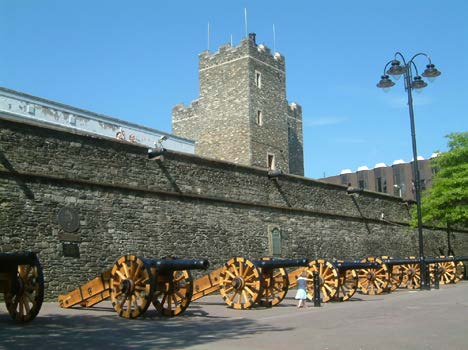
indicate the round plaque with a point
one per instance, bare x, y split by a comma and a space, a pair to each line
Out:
68, 219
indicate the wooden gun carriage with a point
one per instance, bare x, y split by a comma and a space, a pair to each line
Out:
243, 282
134, 282
22, 283
339, 280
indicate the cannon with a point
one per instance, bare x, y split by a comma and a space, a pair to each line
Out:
369, 275
134, 282
22, 282
339, 280
327, 278
460, 268
275, 278
450, 268
407, 272
244, 282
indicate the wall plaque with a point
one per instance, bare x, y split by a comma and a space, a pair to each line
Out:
68, 219
71, 250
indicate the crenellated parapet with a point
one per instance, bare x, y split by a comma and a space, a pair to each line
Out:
247, 48
295, 111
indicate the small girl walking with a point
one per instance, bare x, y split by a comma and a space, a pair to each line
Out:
301, 293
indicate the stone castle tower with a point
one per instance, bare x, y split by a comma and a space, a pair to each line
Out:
242, 114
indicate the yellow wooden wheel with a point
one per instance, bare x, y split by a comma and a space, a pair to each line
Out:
447, 271
411, 275
24, 301
173, 293
241, 283
328, 279
459, 271
396, 276
373, 280
347, 285
131, 286
275, 286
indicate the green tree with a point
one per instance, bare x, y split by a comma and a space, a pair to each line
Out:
445, 204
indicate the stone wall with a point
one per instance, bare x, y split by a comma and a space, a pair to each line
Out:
185, 205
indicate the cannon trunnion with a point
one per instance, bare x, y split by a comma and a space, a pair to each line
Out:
22, 282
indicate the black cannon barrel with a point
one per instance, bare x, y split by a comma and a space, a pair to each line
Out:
280, 263
392, 262
8, 260
351, 265
437, 259
178, 264
460, 258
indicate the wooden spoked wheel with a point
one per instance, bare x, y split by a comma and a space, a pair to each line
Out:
275, 286
241, 283
447, 271
328, 279
373, 280
131, 286
396, 276
459, 271
347, 285
411, 275
25, 299
173, 293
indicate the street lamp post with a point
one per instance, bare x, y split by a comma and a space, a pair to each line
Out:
416, 83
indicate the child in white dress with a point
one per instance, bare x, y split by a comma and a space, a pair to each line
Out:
301, 293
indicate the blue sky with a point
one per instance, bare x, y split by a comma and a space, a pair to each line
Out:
136, 60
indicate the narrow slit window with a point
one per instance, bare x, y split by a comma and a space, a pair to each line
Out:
259, 119
271, 162
258, 79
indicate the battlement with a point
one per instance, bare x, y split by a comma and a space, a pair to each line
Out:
247, 48
295, 110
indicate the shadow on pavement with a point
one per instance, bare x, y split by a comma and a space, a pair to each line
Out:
105, 329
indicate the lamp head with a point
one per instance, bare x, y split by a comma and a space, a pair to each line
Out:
418, 83
275, 173
431, 72
156, 153
396, 70
385, 83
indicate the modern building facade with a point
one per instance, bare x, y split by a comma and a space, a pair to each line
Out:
242, 114
396, 180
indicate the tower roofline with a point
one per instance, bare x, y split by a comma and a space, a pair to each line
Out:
247, 48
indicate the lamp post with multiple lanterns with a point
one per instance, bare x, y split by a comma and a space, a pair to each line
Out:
412, 82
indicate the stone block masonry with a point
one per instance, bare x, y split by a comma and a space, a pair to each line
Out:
186, 206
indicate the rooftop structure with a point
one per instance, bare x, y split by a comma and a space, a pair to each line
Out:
396, 180
18, 105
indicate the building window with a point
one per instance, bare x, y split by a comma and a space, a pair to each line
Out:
259, 119
258, 79
381, 184
271, 161
362, 180
344, 179
274, 235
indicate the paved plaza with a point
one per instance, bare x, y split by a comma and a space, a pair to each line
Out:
404, 319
